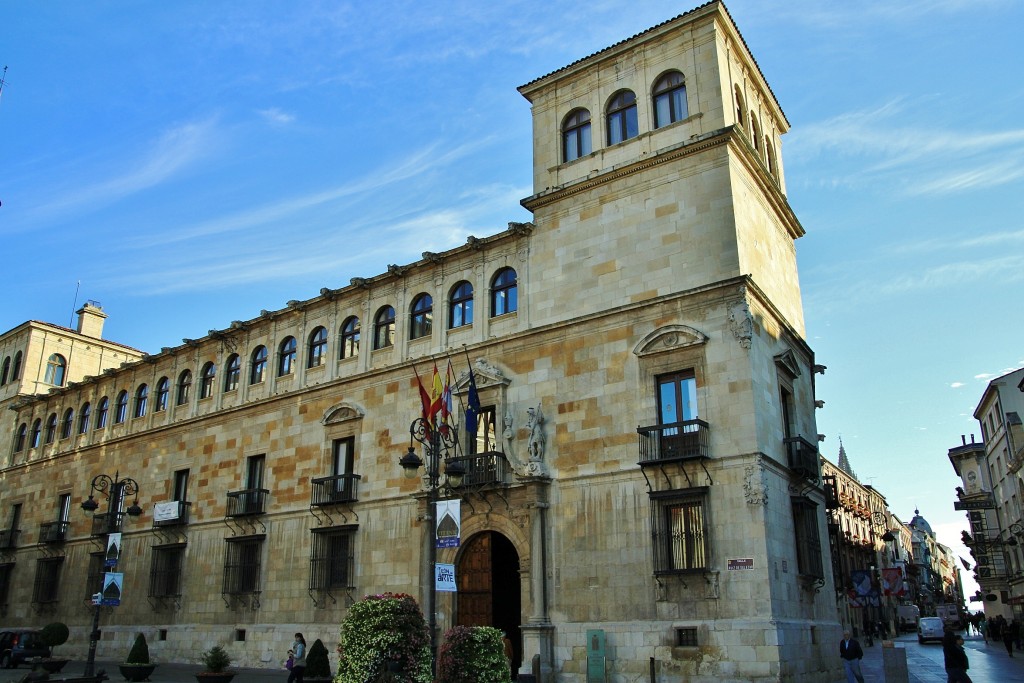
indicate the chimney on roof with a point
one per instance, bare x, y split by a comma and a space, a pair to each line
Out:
90, 319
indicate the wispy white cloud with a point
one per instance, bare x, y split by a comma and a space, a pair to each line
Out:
276, 116
956, 385
174, 151
921, 160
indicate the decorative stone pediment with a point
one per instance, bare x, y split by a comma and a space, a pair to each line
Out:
342, 412
786, 361
485, 375
669, 338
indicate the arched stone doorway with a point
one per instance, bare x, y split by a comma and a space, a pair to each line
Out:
489, 591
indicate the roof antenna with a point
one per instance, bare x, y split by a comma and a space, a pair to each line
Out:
74, 305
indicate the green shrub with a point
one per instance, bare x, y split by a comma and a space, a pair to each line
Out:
139, 654
216, 659
385, 631
55, 634
318, 664
473, 654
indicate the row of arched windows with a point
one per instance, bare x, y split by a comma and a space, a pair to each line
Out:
11, 369
504, 299
668, 101
754, 131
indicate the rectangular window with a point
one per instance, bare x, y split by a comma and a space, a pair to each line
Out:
64, 507
486, 433
331, 565
242, 565
686, 637
181, 485
9, 536
165, 571
679, 531
47, 583
6, 571
808, 542
342, 467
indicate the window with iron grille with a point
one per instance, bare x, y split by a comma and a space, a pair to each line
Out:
686, 637
94, 577
165, 571
47, 580
331, 565
679, 531
242, 564
808, 542
6, 570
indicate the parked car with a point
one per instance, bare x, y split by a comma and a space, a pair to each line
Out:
930, 628
20, 645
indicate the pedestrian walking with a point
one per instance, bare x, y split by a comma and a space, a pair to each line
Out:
957, 663
1009, 636
298, 655
851, 653
983, 628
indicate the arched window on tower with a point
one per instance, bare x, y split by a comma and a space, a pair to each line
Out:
621, 117
576, 135
669, 99
55, 370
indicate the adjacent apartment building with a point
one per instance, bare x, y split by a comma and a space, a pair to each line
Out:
644, 489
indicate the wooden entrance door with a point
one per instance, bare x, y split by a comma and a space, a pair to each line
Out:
476, 607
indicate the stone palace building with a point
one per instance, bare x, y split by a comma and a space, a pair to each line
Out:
643, 493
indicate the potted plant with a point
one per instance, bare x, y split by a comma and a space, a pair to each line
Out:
216, 660
53, 635
137, 667
318, 664
385, 634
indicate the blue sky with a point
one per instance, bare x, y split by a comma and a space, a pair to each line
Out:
192, 163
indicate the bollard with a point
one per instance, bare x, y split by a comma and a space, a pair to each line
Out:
894, 663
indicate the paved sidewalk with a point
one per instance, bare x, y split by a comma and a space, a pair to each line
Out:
165, 673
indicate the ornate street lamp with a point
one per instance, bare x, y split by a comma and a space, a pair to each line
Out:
115, 490
438, 441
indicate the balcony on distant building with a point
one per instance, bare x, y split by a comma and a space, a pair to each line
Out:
489, 468
107, 523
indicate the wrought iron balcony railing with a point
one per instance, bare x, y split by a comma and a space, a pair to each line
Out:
9, 539
483, 469
53, 532
802, 457
107, 523
674, 441
339, 488
247, 502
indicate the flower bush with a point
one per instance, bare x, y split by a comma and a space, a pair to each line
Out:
473, 654
384, 632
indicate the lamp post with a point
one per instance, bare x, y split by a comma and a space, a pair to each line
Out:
438, 440
115, 490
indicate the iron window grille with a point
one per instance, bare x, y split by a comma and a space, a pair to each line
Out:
247, 502
6, 570
332, 564
53, 532
339, 488
242, 562
9, 539
47, 582
808, 540
679, 531
94, 575
165, 571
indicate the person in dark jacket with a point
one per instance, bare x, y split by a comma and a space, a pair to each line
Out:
1010, 631
957, 663
851, 653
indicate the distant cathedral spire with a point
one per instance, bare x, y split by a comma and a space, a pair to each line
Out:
844, 462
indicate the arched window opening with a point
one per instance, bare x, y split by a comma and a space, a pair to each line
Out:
102, 408
207, 377
141, 400
622, 119
232, 372
669, 99
576, 135
163, 391
504, 292
258, 371
84, 418
67, 425
184, 388
384, 328
121, 407
421, 317
55, 369
350, 338
317, 348
460, 305
19, 440
37, 430
51, 428
286, 353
